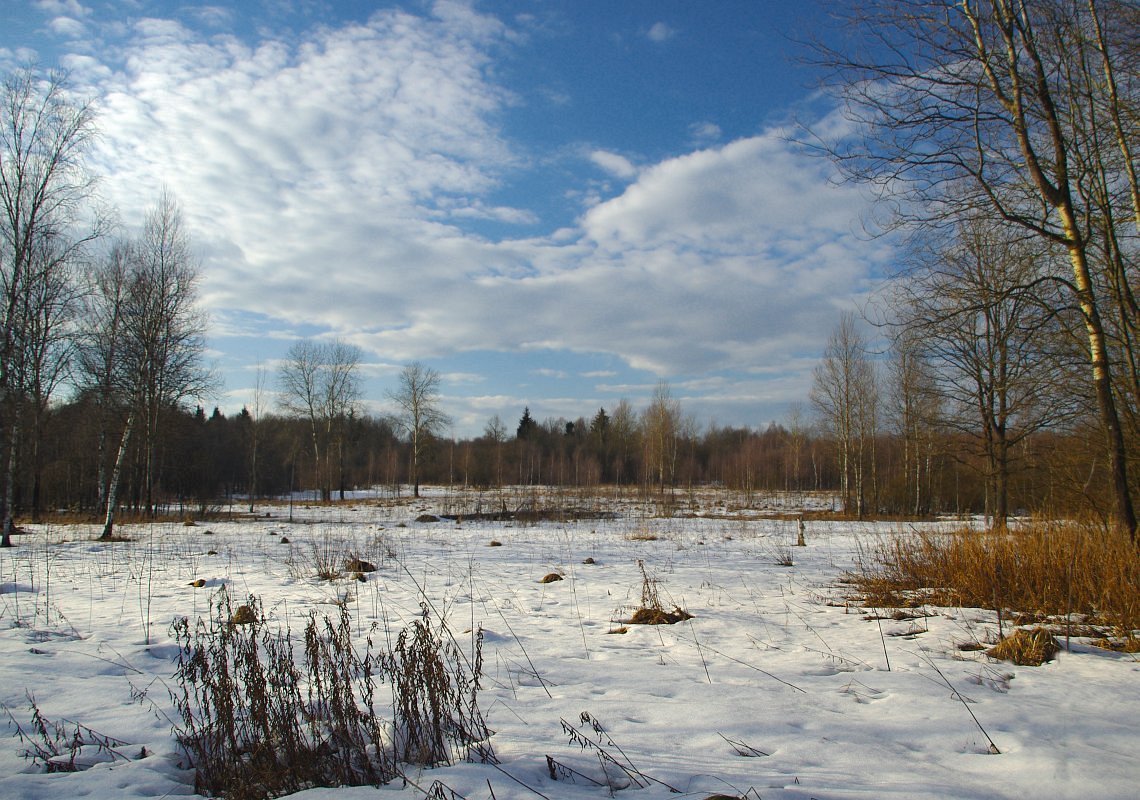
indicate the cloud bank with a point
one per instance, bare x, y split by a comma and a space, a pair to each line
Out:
337, 183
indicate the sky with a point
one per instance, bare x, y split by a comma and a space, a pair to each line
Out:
555, 205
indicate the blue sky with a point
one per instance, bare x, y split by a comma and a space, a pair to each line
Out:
554, 204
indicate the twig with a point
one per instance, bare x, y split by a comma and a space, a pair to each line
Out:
700, 652
516, 780
882, 638
957, 695
741, 747
750, 666
534, 669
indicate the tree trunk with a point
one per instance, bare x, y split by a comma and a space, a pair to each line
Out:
116, 474
10, 484
1125, 514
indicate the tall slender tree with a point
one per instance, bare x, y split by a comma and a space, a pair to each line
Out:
145, 341
661, 425
45, 133
841, 393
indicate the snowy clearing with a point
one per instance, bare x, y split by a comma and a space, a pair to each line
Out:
777, 688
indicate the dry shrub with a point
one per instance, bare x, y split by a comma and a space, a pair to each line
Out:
64, 746
1026, 648
256, 721
256, 724
436, 716
1044, 569
652, 612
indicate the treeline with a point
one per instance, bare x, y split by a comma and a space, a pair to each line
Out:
204, 461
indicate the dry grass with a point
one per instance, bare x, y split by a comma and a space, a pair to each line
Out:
659, 616
1043, 571
1026, 648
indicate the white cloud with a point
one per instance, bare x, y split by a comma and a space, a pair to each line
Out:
67, 27
705, 133
660, 32
325, 183
72, 8
615, 164
212, 16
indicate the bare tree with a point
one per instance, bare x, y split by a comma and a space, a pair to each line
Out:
661, 426
842, 392
169, 328
419, 415
495, 432
145, 340
44, 135
255, 423
996, 352
960, 106
917, 412
48, 338
319, 383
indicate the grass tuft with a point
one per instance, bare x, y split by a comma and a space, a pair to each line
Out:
1026, 648
652, 612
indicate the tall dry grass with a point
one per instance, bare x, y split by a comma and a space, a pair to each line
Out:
1043, 569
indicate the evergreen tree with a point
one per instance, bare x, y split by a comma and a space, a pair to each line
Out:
527, 425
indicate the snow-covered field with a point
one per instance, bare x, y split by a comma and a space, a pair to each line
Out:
777, 688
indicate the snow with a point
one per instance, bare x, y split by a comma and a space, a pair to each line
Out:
777, 688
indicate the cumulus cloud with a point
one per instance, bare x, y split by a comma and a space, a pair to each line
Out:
324, 166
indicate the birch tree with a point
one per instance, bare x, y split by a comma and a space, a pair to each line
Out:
661, 426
